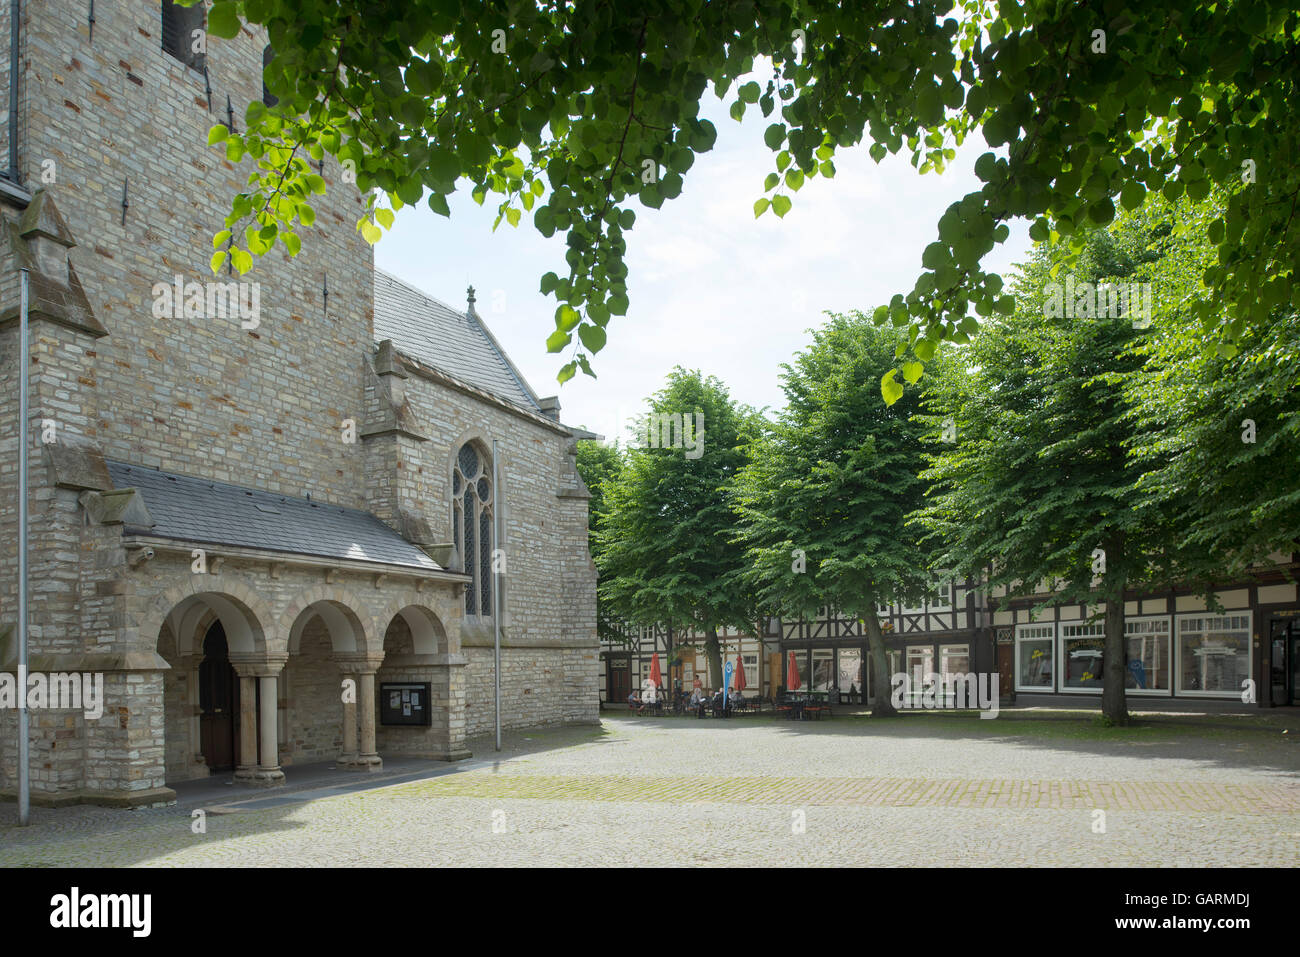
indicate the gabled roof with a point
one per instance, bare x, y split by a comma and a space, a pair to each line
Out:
196, 510
457, 343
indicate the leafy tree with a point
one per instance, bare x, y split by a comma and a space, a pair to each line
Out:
569, 112
665, 533
1039, 485
599, 465
1216, 429
826, 498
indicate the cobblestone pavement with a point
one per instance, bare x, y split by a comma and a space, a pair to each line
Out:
919, 790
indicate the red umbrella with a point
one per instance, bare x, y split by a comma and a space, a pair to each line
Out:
792, 679
655, 674
740, 674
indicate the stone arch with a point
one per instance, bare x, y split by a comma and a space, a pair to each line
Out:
243, 613
350, 628
428, 635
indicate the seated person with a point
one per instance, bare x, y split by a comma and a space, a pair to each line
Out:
737, 700
634, 700
697, 701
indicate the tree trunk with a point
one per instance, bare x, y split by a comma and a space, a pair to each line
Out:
880, 684
714, 651
1114, 704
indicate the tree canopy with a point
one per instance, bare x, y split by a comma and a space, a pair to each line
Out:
666, 537
826, 499
571, 112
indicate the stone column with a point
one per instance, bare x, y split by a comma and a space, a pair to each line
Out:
264, 667
348, 753
368, 759
268, 770
360, 667
247, 769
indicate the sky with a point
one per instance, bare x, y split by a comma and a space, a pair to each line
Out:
711, 287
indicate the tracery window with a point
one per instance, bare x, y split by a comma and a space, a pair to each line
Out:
471, 497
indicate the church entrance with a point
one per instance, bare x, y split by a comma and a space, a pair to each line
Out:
218, 694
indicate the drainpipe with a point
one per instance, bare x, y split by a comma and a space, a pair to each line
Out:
24, 433
496, 584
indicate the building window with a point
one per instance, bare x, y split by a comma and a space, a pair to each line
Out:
1082, 647
940, 594
1213, 654
1034, 657
471, 497
1147, 643
850, 674
182, 32
269, 98
823, 669
751, 671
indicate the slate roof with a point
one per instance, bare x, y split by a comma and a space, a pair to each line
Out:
197, 510
457, 343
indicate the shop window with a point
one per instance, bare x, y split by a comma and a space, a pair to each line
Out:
1213, 654
1147, 642
823, 669
1082, 647
850, 673
1034, 644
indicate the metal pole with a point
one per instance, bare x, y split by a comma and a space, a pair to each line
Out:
24, 365
496, 588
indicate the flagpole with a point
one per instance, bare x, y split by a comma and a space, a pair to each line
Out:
24, 364
496, 589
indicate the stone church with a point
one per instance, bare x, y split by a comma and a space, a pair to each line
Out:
264, 512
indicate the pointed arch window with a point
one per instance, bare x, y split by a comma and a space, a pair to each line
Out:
472, 503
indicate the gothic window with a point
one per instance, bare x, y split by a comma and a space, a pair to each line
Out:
471, 497
269, 98
179, 26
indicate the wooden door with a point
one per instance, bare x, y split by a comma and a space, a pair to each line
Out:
1006, 674
618, 681
217, 702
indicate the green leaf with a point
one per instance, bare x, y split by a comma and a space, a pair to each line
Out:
218, 260
567, 371
593, 337
385, 217
223, 19
292, 243
217, 134
220, 239
912, 371
557, 340
781, 205
750, 92
1132, 195
774, 136
438, 203
370, 232
567, 318
890, 390
760, 206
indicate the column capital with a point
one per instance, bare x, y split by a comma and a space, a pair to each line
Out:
258, 664
359, 662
